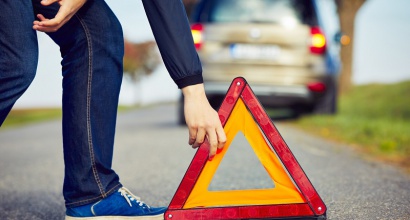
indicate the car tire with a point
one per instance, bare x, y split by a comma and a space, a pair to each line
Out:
327, 104
180, 112
216, 101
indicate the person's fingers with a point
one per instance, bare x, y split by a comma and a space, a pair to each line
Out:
41, 27
48, 2
52, 25
36, 23
66, 11
213, 142
41, 18
64, 14
221, 137
192, 135
200, 137
61, 17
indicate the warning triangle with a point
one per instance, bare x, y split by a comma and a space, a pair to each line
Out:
293, 194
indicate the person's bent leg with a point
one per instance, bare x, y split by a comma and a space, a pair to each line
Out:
91, 45
18, 52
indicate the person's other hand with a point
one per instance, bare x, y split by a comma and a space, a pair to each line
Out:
67, 10
202, 120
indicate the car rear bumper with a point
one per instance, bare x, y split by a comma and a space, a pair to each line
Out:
213, 88
269, 95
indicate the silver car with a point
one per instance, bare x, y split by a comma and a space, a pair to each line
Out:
278, 46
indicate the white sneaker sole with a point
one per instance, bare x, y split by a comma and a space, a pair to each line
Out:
152, 217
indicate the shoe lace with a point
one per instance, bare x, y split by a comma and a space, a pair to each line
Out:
131, 197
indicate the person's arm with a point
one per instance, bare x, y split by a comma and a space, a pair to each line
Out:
67, 10
172, 33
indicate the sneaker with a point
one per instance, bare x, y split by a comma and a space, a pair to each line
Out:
120, 205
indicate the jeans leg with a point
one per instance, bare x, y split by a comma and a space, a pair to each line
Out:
18, 52
92, 48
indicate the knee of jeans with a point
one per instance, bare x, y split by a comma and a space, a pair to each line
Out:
22, 73
108, 32
109, 47
113, 38
19, 65
29, 76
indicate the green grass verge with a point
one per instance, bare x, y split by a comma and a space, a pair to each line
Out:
374, 117
20, 117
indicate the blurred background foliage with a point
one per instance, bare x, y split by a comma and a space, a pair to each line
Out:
140, 58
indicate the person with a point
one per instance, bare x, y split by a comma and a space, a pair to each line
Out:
91, 43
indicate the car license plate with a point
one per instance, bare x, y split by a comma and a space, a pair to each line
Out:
251, 51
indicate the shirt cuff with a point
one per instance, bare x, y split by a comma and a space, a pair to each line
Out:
189, 81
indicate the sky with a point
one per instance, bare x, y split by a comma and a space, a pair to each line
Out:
382, 48
381, 54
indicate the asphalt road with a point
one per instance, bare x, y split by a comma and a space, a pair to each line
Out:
152, 154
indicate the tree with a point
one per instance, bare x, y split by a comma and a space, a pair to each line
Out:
347, 10
140, 58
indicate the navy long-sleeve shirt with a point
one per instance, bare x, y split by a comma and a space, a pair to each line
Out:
172, 33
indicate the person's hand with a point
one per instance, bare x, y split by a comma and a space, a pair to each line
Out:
202, 120
67, 10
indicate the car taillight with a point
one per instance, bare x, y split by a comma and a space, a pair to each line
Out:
316, 87
196, 30
318, 43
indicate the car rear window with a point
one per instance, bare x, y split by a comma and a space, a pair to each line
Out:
286, 12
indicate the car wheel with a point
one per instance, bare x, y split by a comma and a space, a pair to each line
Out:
328, 103
216, 101
181, 115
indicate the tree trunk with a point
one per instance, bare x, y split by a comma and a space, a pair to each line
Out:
347, 10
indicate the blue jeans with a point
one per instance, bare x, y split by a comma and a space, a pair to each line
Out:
92, 48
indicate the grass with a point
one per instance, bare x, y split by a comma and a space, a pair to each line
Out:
20, 117
375, 118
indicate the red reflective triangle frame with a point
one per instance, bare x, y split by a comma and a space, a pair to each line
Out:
313, 208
